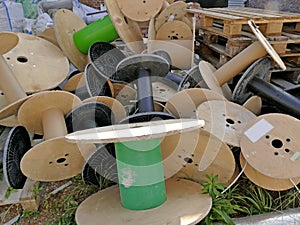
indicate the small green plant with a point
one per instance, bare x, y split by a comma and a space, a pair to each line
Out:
1, 173
256, 200
287, 200
30, 214
9, 190
223, 205
36, 190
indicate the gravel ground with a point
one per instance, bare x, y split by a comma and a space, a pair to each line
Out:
280, 5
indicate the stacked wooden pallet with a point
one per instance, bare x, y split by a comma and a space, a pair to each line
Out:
224, 32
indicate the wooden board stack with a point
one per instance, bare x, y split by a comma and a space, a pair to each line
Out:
224, 32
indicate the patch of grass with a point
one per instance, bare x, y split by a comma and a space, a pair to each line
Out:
9, 190
223, 205
32, 214
254, 200
64, 204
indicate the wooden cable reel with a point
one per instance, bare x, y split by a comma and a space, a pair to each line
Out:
140, 10
264, 138
36, 63
266, 182
226, 120
54, 159
128, 29
126, 132
66, 23
185, 156
21, 71
184, 103
238, 63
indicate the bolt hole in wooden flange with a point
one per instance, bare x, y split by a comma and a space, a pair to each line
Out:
225, 119
194, 154
270, 148
36, 63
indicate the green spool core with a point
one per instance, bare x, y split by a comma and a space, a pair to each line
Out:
140, 171
101, 30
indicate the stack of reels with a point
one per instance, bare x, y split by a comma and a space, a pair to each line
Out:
110, 87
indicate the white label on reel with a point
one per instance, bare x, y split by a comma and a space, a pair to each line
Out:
258, 130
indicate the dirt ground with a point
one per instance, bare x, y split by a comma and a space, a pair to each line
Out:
54, 209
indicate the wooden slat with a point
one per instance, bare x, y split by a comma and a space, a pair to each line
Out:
24, 196
216, 15
235, 20
249, 15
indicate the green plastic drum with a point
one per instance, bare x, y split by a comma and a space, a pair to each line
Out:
101, 30
140, 172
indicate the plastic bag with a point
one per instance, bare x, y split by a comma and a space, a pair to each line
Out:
11, 16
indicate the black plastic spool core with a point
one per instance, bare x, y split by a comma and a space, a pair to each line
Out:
140, 68
89, 115
101, 166
96, 84
105, 57
16, 145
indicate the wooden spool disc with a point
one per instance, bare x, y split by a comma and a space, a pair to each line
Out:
55, 159
174, 30
128, 29
74, 82
268, 47
12, 109
270, 145
184, 103
11, 41
195, 154
9, 113
49, 35
207, 71
124, 93
140, 10
66, 23
31, 112
116, 107
266, 182
185, 204
3, 100
226, 120
36, 63
162, 92
10, 121
135, 131
174, 11
254, 104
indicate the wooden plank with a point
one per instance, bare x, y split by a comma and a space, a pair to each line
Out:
28, 199
217, 15
14, 195
234, 20
247, 14
24, 196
